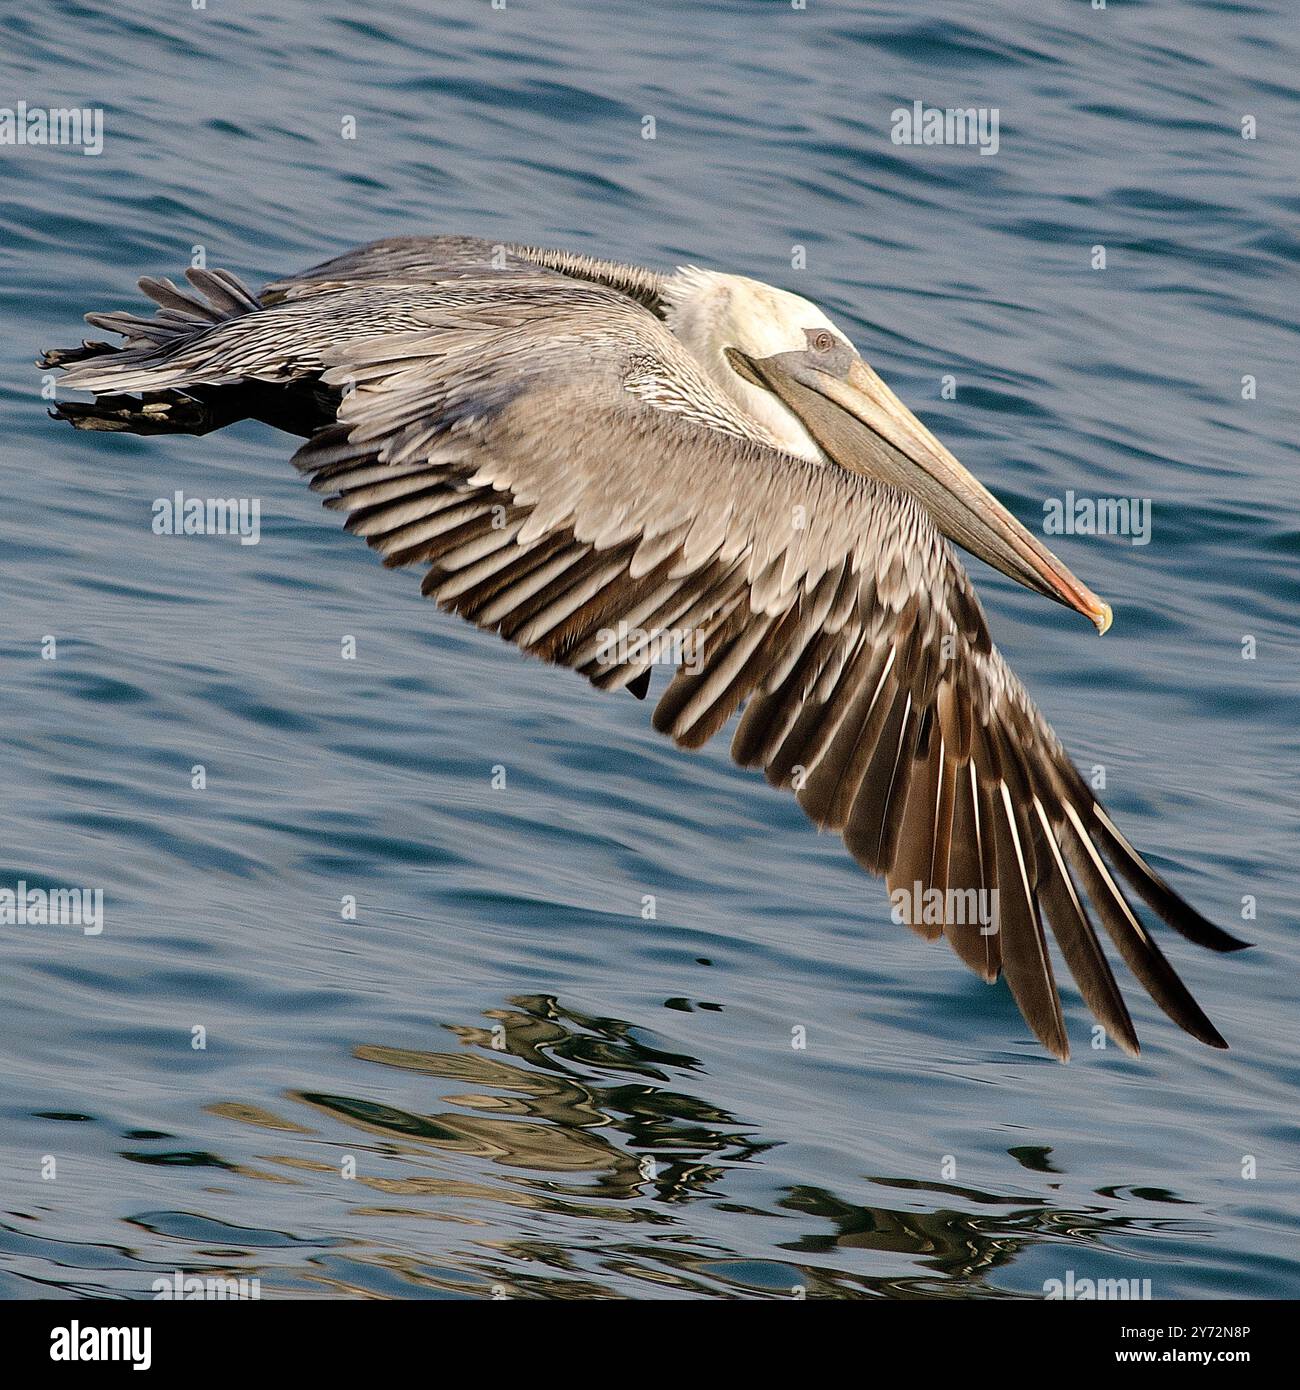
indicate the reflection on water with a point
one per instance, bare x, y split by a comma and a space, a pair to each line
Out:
600, 1142
551, 1154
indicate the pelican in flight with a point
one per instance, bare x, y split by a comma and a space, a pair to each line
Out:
574, 448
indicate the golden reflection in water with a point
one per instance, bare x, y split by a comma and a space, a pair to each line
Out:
580, 1128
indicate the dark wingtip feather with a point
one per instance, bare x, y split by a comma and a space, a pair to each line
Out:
1143, 957
1078, 942
1173, 910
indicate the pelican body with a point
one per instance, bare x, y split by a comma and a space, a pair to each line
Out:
572, 447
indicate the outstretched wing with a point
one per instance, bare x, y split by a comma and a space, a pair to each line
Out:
553, 456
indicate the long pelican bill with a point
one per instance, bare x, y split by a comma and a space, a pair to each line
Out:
896, 448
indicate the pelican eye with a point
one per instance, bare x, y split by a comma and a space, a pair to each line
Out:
822, 341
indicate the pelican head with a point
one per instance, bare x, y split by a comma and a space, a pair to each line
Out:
787, 365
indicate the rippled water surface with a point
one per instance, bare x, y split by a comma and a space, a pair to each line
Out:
541, 1091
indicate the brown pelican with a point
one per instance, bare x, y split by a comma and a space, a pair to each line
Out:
576, 448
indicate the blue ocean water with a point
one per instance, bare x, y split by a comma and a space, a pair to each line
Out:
501, 1076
